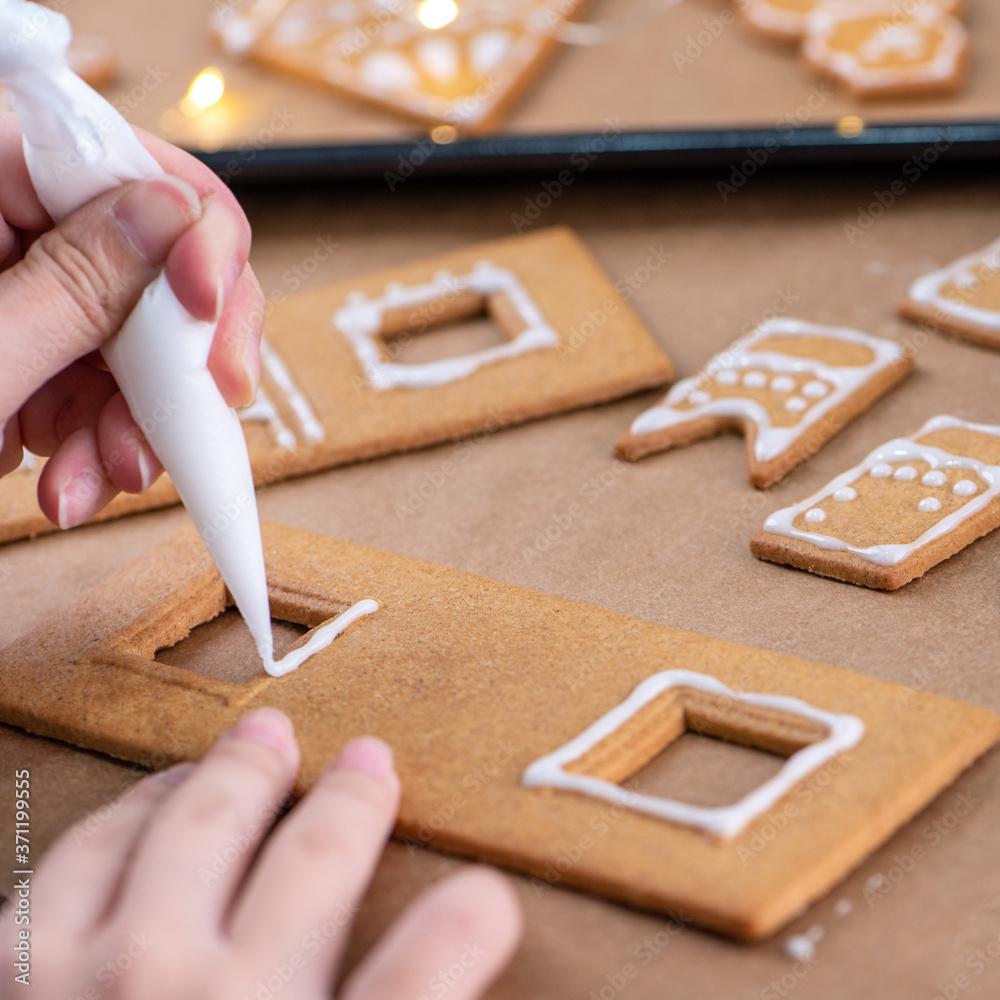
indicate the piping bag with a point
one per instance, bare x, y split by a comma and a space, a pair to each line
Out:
78, 146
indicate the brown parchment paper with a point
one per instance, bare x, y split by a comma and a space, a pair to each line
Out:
546, 506
692, 66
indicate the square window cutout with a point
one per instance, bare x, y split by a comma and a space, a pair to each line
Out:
376, 327
624, 742
224, 648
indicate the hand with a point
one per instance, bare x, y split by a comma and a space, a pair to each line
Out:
64, 290
185, 892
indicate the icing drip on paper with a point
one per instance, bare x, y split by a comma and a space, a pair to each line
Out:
928, 289
742, 363
78, 146
360, 321
901, 449
724, 821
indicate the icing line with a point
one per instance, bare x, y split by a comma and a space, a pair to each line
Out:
927, 290
723, 821
320, 639
360, 321
771, 441
781, 522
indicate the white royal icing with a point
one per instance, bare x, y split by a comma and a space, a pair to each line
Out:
929, 505
816, 515
927, 290
890, 37
724, 821
934, 478
901, 449
159, 357
905, 473
845, 493
964, 488
321, 638
360, 321
771, 441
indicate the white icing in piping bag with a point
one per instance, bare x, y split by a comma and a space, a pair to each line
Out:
78, 146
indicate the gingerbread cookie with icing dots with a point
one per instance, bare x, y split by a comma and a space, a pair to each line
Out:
884, 49
962, 299
911, 504
789, 386
460, 64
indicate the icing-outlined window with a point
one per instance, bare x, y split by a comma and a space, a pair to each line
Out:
499, 292
617, 747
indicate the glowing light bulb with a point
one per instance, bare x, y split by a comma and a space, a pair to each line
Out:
205, 90
437, 13
850, 126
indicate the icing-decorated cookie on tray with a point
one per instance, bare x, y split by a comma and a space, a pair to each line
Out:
789, 386
788, 19
962, 299
884, 49
912, 503
439, 61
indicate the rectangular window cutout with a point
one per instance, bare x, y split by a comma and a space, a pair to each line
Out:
604, 760
376, 327
223, 648
419, 344
705, 771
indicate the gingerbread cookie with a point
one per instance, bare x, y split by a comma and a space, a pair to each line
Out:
911, 504
477, 752
788, 19
883, 49
460, 64
336, 386
962, 299
789, 386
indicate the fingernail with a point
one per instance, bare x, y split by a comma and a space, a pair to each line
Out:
368, 754
227, 284
145, 469
78, 500
268, 726
251, 370
154, 213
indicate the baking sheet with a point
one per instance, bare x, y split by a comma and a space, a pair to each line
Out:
664, 539
691, 84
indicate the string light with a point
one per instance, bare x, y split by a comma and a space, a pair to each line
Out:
206, 89
437, 13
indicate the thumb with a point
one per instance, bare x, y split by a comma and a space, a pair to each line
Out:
79, 281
